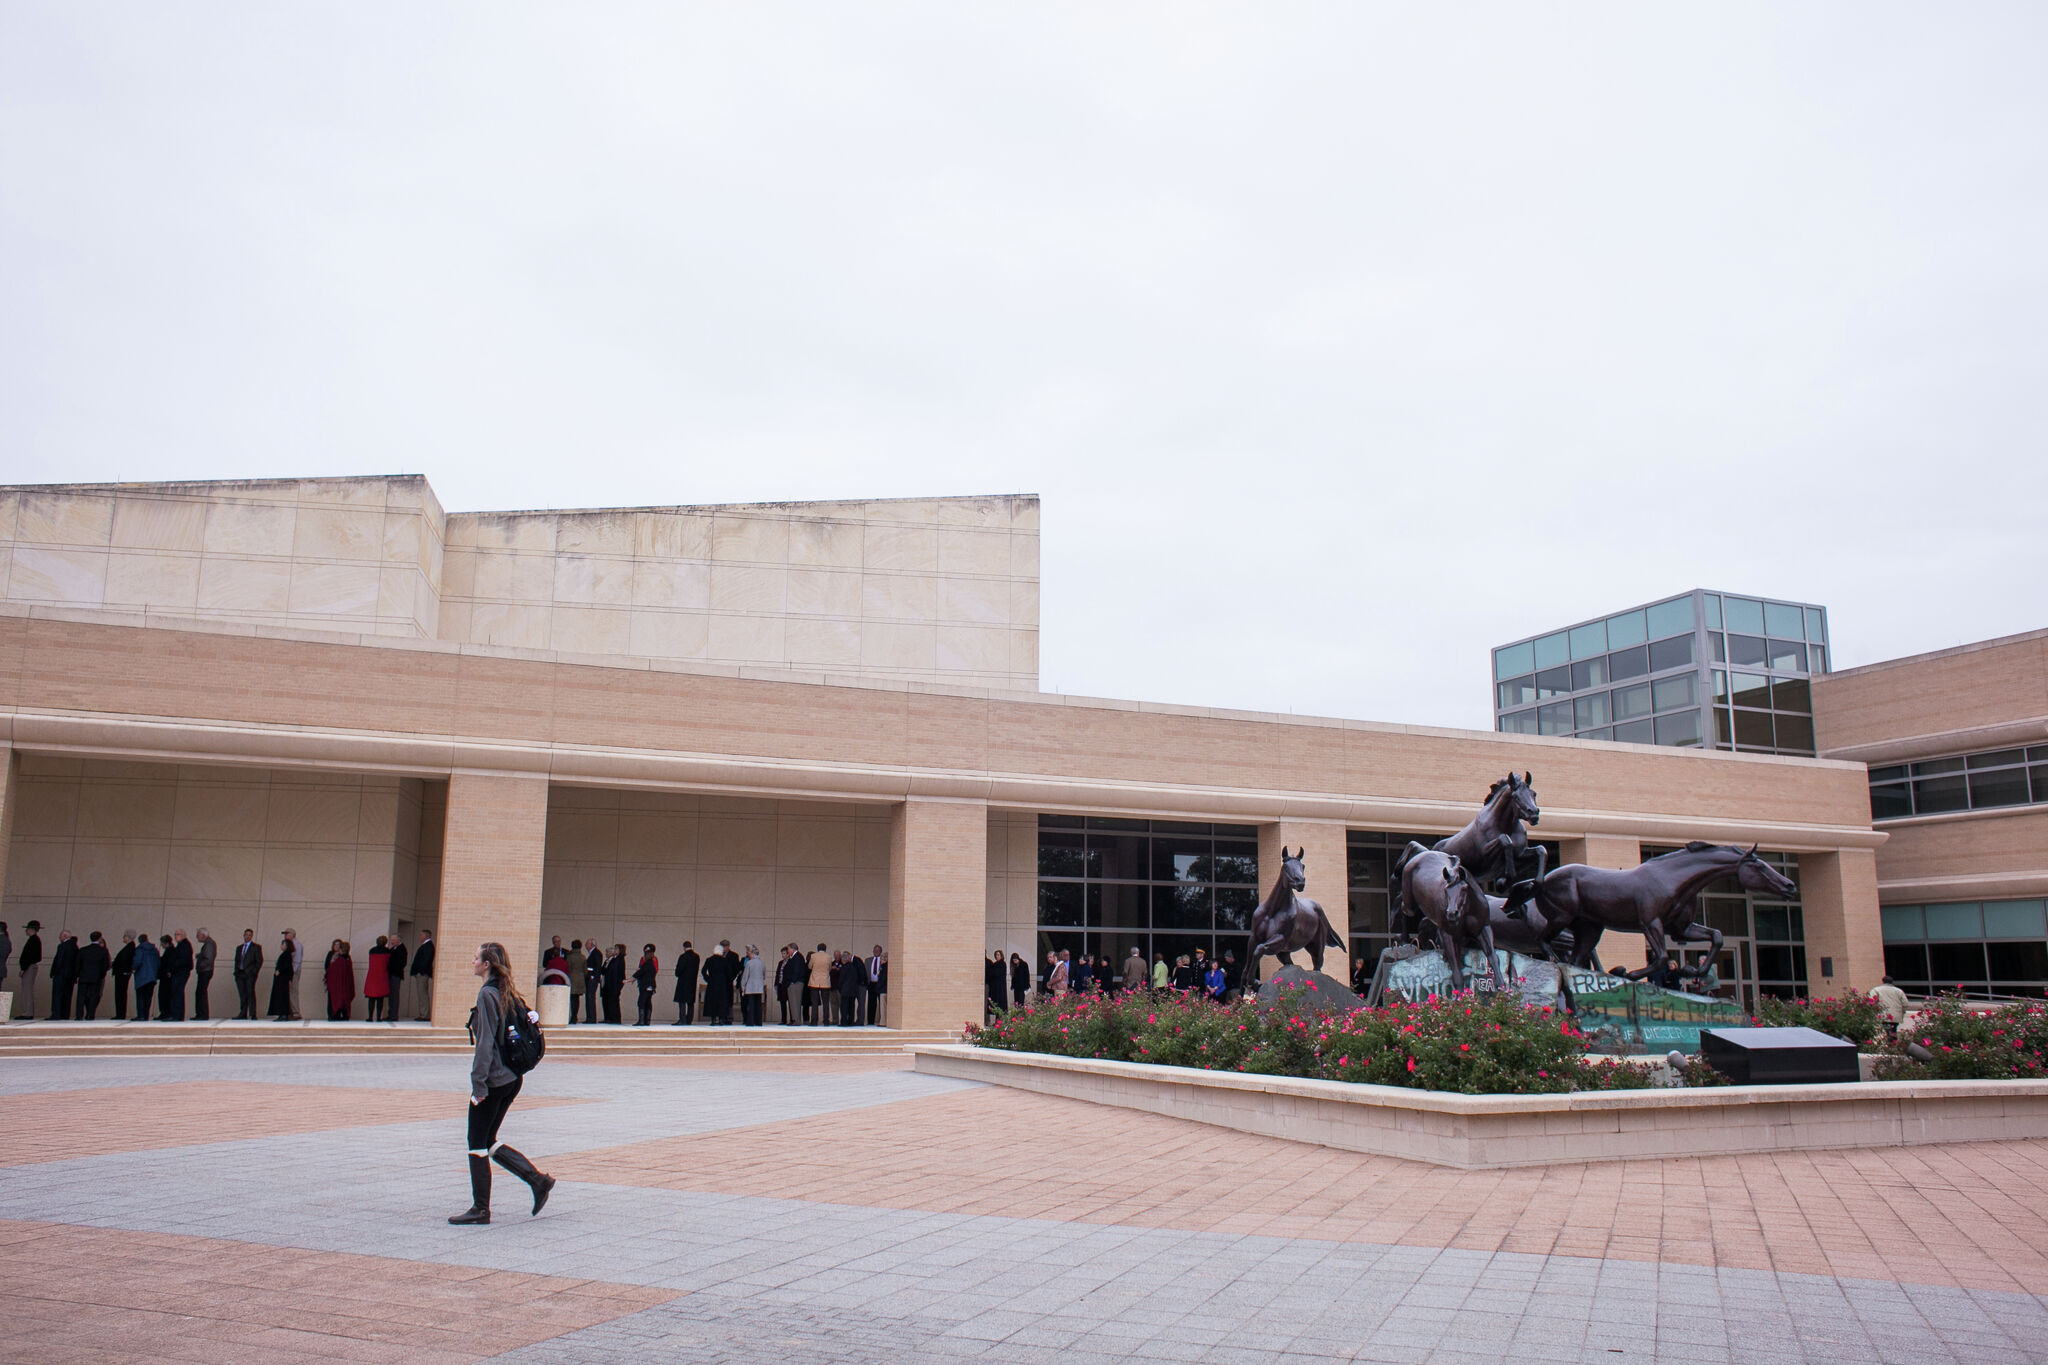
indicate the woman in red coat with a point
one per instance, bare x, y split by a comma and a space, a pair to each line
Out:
377, 982
341, 981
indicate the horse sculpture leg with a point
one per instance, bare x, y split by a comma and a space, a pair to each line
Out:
1708, 934
1492, 957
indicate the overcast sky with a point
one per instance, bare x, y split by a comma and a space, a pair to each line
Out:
1341, 342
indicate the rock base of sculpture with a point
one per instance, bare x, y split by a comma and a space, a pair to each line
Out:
1320, 993
1618, 1014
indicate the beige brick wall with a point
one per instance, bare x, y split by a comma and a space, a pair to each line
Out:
936, 590
355, 555
1012, 870
1948, 701
492, 856
1835, 890
937, 913
156, 848
1326, 865
636, 867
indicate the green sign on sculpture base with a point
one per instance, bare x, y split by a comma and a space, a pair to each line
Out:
1621, 1015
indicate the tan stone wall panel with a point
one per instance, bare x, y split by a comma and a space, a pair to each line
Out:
493, 853
938, 913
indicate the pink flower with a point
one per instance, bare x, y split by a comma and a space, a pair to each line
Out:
1464, 1047
1411, 1064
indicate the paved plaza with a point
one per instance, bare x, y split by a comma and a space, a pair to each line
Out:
224, 1209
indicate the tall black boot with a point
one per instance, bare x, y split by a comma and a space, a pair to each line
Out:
479, 1191
516, 1162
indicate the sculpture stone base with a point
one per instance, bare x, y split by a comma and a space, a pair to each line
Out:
1318, 993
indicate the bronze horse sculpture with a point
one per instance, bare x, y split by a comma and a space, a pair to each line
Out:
1287, 921
1658, 898
1494, 844
1442, 888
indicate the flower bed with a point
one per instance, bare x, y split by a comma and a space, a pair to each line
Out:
2008, 1043
1471, 1044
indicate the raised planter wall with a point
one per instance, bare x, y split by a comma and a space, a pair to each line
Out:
1491, 1131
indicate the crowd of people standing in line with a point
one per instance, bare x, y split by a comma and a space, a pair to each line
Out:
810, 988
395, 981
1006, 981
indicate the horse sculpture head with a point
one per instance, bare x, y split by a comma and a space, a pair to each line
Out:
1464, 897
1520, 798
1291, 868
1757, 875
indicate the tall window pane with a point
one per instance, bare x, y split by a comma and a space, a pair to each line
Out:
1514, 659
1753, 730
1625, 630
1590, 711
1795, 734
1628, 663
1680, 728
1518, 691
1589, 673
1816, 629
1710, 603
1670, 618
1780, 619
1672, 653
1630, 702
1742, 614
1588, 640
1787, 655
1792, 694
1555, 719
1746, 651
1553, 682
1678, 691
1553, 650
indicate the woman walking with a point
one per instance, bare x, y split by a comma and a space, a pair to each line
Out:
492, 1088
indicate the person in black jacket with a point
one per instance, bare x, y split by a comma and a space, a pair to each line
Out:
423, 975
31, 964
645, 976
493, 1086
853, 981
63, 974
177, 970
687, 963
94, 962
614, 983
995, 985
593, 981
1020, 978
248, 968
124, 967
718, 984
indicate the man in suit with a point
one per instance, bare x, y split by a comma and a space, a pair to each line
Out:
177, 970
124, 967
298, 967
853, 980
687, 965
593, 963
423, 976
877, 969
63, 974
94, 962
248, 965
578, 969
31, 964
202, 976
397, 969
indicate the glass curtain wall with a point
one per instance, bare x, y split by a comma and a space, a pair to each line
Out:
1763, 939
1702, 669
1986, 949
1166, 886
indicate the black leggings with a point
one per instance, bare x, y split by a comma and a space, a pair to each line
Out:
487, 1113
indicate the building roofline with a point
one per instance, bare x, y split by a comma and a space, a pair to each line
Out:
1953, 651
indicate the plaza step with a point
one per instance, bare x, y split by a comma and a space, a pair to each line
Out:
318, 1038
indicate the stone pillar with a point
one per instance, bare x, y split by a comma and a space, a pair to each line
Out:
10, 790
1327, 865
1838, 899
1619, 951
938, 913
494, 848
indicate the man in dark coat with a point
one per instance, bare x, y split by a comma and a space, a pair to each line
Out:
614, 983
31, 964
687, 965
397, 969
94, 962
718, 979
202, 976
423, 974
248, 965
878, 983
853, 983
593, 980
124, 967
175, 972
63, 974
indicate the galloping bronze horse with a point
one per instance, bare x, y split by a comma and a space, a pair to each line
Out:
1442, 888
1287, 921
1494, 844
1658, 898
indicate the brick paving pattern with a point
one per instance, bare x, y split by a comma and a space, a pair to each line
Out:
713, 1212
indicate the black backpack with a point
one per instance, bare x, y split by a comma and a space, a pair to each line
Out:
520, 1044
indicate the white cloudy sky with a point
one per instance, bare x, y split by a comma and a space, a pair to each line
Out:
1340, 341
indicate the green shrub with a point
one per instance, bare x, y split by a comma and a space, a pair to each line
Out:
1852, 1018
2002, 1044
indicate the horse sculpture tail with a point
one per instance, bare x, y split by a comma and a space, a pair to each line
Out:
1330, 938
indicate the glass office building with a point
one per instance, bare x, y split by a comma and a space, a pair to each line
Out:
1701, 669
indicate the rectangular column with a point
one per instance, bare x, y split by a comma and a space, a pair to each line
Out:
1327, 865
1619, 951
938, 913
10, 788
1844, 930
492, 858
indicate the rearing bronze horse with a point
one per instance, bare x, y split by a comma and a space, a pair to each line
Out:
1286, 921
1494, 845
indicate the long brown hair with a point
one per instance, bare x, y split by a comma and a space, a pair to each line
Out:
500, 966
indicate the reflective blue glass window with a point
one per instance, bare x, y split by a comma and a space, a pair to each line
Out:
1602, 733
1670, 618
1589, 640
1553, 650
1780, 619
1679, 728
1589, 673
1553, 682
1555, 719
1628, 663
1520, 723
1955, 921
1746, 651
1739, 613
1635, 732
2014, 919
1675, 652
1514, 659
1675, 692
1903, 923
1712, 607
1631, 702
1816, 658
1517, 692
1720, 685
1787, 655
1816, 627
1625, 630
1590, 711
